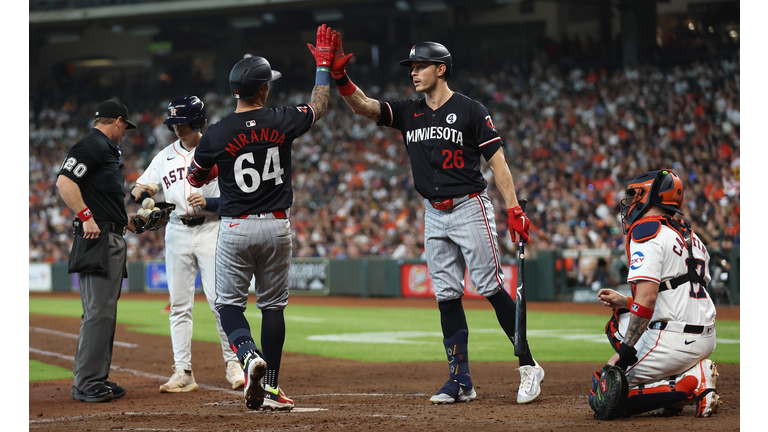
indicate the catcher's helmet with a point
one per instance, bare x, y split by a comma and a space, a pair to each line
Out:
249, 74
186, 109
430, 52
662, 188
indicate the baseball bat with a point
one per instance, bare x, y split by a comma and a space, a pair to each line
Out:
521, 345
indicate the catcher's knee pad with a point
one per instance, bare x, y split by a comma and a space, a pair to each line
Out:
651, 397
616, 327
458, 359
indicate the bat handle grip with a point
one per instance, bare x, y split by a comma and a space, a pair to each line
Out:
523, 203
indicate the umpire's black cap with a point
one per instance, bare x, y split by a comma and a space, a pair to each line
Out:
430, 52
113, 108
249, 74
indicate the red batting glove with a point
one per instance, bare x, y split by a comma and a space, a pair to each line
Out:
326, 42
339, 64
519, 222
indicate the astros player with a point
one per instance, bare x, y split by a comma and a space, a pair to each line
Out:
665, 332
446, 134
190, 239
252, 150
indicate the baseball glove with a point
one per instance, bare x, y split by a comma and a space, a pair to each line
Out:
156, 219
608, 396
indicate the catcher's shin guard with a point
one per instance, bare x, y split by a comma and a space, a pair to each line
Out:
668, 394
458, 362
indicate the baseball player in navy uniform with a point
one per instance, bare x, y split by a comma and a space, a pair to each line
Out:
446, 134
190, 239
665, 332
251, 149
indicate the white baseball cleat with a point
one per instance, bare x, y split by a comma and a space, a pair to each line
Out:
531, 378
235, 374
253, 390
706, 397
182, 381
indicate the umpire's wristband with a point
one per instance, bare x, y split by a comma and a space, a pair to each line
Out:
345, 85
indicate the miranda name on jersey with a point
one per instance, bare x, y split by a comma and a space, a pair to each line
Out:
266, 136
435, 132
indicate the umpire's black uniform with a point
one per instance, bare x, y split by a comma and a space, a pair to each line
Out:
95, 165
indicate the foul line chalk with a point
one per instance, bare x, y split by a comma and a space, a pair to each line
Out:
74, 336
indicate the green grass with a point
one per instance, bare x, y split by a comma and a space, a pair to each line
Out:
355, 333
39, 371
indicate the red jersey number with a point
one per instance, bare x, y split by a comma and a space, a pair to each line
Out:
453, 159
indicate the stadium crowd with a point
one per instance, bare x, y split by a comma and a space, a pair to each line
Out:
573, 139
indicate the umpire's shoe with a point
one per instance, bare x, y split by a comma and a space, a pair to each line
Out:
100, 392
531, 378
255, 369
117, 391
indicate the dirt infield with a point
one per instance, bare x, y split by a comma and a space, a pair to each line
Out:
333, 394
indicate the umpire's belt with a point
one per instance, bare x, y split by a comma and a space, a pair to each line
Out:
452, 202
679, 327
277, 214
103, 226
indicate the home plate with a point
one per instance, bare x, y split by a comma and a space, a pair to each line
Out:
308, 409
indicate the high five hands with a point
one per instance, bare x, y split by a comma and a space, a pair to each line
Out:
324, 47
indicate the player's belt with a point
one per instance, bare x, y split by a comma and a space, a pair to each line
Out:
452, 202
677, 327
277, 214
192, 221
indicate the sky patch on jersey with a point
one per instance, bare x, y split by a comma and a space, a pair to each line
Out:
637, 260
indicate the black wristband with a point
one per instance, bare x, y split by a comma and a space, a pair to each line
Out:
342, 81
627, 356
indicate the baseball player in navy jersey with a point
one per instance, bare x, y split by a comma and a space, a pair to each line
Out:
446, 134
252, 150
190, 239
664, 333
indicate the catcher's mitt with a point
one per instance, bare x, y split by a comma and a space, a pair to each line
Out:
608, 396
156, 219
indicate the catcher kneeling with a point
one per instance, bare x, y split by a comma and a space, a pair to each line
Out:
663, 334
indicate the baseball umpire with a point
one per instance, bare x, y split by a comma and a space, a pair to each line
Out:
446, 134
190, 239
252, 150
664, 333
91, 183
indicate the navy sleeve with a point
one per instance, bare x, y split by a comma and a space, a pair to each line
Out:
204, 155
392, 113
212, 204
487, 137
300, 118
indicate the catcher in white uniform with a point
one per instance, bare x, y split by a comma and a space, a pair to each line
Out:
190, 239
665, 332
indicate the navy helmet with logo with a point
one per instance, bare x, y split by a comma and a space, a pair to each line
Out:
186, 109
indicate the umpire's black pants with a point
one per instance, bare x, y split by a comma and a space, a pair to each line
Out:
99, 293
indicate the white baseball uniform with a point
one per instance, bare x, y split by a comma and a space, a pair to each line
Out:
187, 248
681, 332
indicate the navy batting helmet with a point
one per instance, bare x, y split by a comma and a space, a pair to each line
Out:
430, 52
248, 75
186, 109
